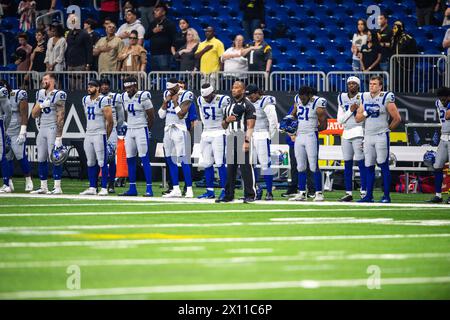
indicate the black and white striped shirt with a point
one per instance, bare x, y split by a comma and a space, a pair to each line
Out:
248, 113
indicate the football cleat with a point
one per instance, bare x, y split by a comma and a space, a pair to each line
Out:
301, 196
11, 185
148, 192
166, 191
207, 195
289, 194
222, 194
39, 191
103, 192
128, 194
249, 200
3, 188
224, 199
6, 189
435, 199
111, 188
259, 193
365, 199
269, 196
55, 191
173, 194
319, 197
89, 192
385, 199
29, 186
347, 198
189, 193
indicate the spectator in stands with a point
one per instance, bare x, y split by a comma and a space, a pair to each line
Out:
384, 36
107, 49
56, 48
446, 21
259, 56
234, 63
186, 54
79, 47
110, 9
132, 23
37, 59
107, 21
253, 15
359, 39
446, 41
145, 8
403, 43
180, 38
133, 57
44, 7
425, 10
209, 52
8, 7
162, 33
89, 25
23, 61
370, 54
27, 12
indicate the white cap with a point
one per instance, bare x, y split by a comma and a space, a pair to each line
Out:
354, 79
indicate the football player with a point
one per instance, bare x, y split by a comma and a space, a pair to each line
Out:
212, 142
118, 118
17, 133
375, 110
312, 115
50, 110
5, 118
352, 137
140, 116
443, 151
265, 128
174, 110
99, 125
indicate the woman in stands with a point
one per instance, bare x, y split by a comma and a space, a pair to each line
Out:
186, 54
56, 48
359, 39
233, 62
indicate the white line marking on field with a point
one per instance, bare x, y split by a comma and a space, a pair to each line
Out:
113, 204
91, 243
203, 201
312, 267
254, 210
218, 261
302, 284
250, 250
182, 249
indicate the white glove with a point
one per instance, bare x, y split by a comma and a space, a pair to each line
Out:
58, 142
22, 135
45, 104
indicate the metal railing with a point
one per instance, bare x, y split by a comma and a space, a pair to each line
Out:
49, 14
72, 80
157, 79
117, 77
225, 80
292, 81
418, 73
336, 81
3, 48
27, 80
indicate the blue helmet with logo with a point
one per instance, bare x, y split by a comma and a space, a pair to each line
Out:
110, 152
429, 158
59, 155
289, 124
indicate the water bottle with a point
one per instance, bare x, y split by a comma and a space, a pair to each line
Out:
416, 137
285, 158
435, 139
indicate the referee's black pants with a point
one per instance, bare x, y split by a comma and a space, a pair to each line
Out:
236, 157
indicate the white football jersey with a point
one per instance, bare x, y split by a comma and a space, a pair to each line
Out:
16, 97
262, 122
171, 116
347, 118
4, 102
136, 107
212, 113
377, 121
442, 111
48, 101
307, 114
116, 105
93, 109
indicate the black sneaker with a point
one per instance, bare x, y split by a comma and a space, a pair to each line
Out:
223, 200
436, 199
289, 194
269, 196
259, 193
347, 198
167, 191
249, 200
448, 200
111, 187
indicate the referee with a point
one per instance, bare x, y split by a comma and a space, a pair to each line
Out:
239, 121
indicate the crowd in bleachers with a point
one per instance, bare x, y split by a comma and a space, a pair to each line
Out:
249, 35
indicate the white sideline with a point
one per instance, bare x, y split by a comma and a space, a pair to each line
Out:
214, 261
99, 243
222, 211
301, 284
208, 201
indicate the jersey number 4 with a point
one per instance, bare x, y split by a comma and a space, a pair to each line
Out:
131, 109
207, 114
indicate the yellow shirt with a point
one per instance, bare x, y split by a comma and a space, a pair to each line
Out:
210, 61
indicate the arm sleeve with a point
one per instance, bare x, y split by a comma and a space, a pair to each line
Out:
147, 100
200, 109
342, 115
120, 111
62, 96
271, 113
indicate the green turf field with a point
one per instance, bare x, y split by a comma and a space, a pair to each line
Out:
146, 249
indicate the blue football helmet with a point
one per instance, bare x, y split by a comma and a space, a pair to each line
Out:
110, 152
59, 155
429, 158
289, 124
122, 130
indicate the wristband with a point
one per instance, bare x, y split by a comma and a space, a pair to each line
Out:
23, 129
177, 109
365, 114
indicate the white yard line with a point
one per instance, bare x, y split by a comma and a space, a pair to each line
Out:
301, 284
254, 211
250, 250
90, 243
216, 261
203, 201
112, 204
